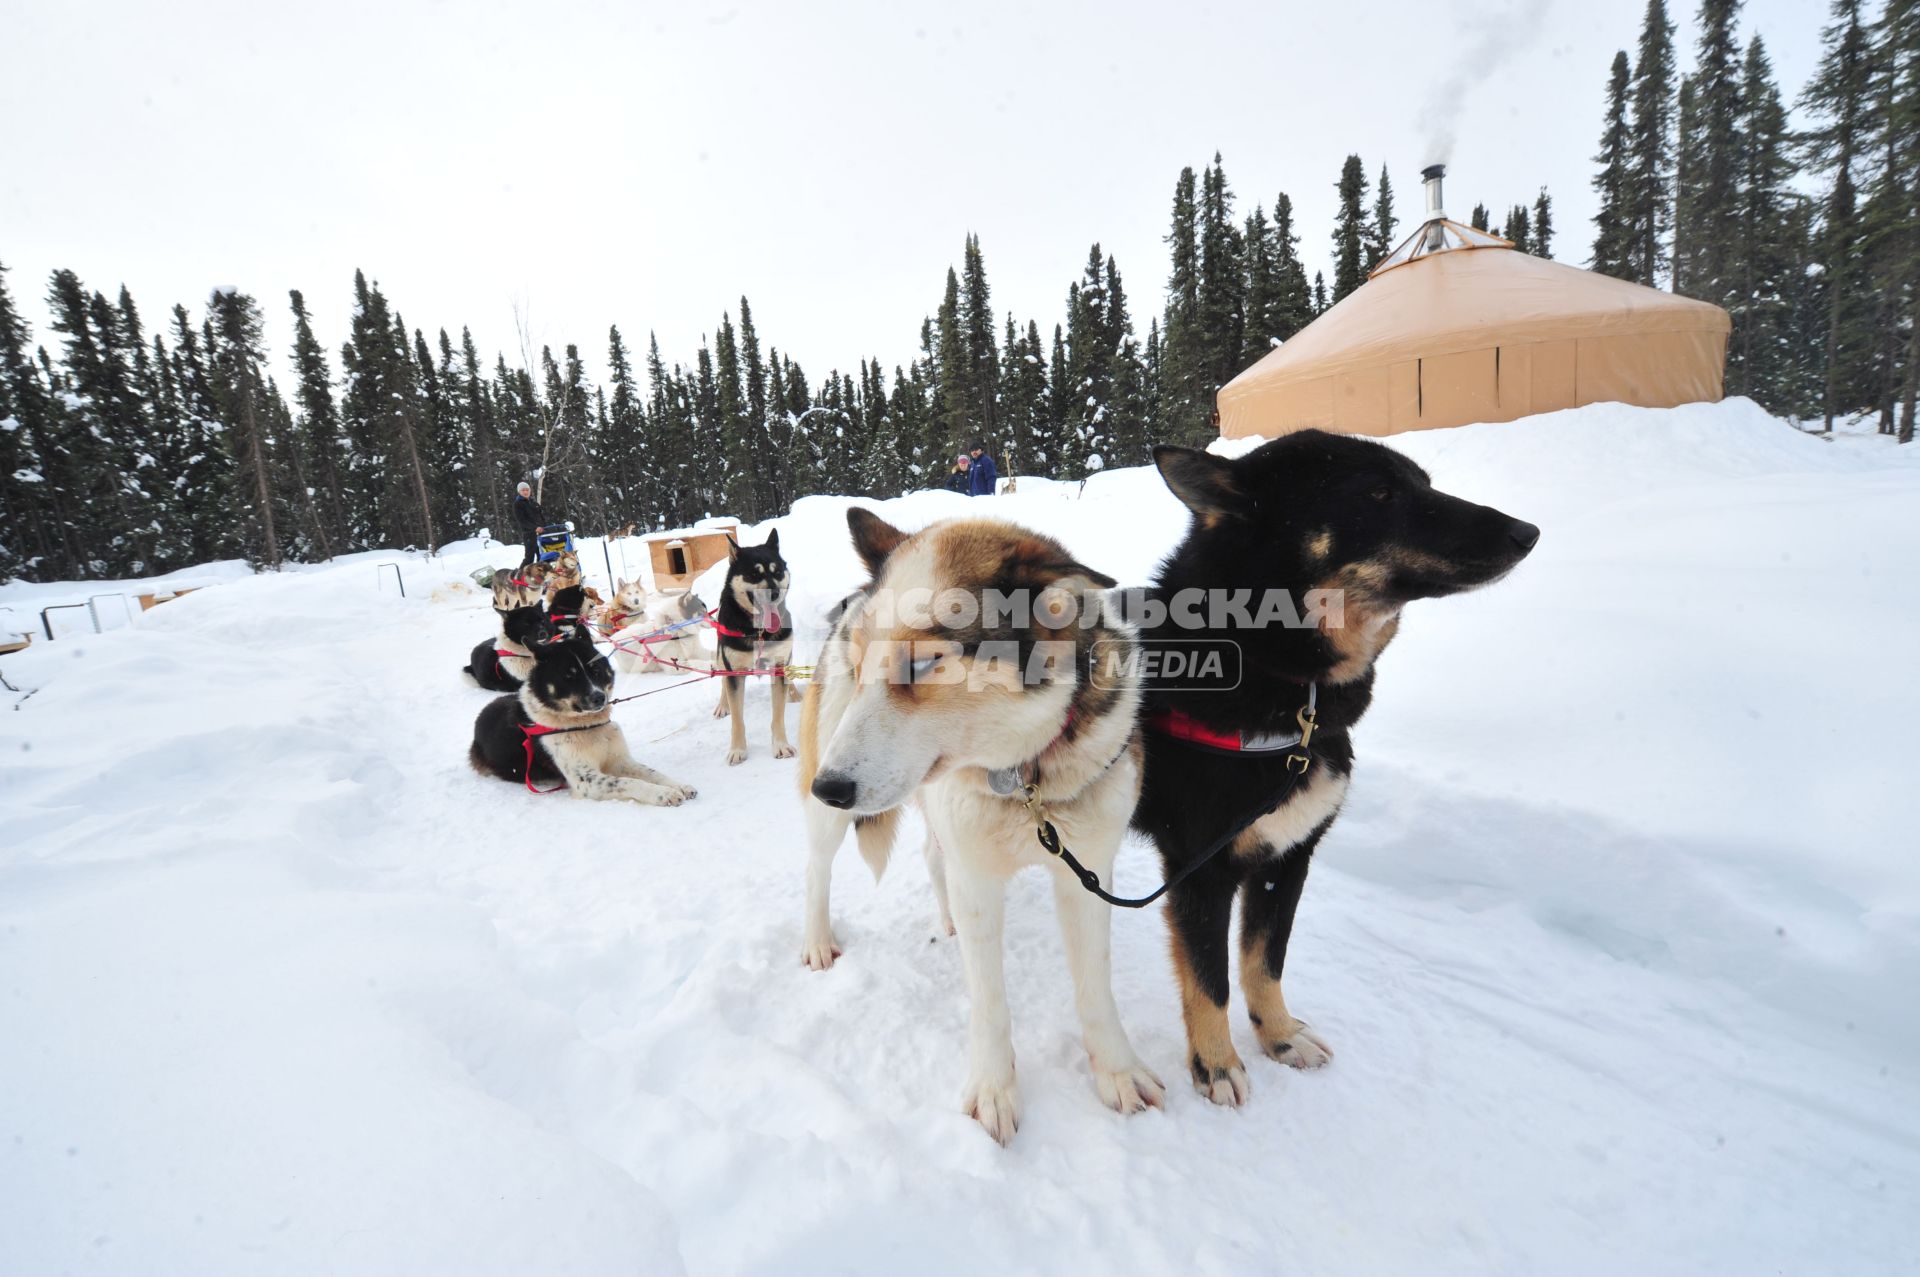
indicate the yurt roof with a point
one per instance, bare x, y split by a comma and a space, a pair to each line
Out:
1470, 297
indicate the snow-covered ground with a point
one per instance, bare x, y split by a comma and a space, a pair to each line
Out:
1617, 940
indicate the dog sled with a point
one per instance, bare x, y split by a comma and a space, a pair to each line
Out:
552, 542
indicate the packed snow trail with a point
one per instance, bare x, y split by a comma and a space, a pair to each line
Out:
1615, 941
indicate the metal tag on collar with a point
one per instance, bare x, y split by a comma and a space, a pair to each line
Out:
1004, 781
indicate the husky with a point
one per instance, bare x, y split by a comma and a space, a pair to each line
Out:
501, 664
559, 730
753, 631
983, 723
623, 609
1309, 518
660, 611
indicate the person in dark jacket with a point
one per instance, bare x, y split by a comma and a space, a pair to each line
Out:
959, 481
983, 474
527, 513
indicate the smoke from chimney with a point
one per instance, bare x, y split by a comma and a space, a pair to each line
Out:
1493, 38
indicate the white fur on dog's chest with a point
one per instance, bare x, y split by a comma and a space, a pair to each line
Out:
1309, 807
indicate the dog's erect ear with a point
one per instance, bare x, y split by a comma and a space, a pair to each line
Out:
873, 537
1203, 482
773, 540
733, 548
1094, 580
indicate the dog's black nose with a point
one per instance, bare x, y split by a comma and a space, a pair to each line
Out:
1524, 534
834, 789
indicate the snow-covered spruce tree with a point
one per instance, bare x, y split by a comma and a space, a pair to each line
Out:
1351, 230
370, 391
444, 430
1612, 228
1761, 257
1262, 288
1480, 221
318, 433
1384, 221
1543, 224
1650, 175
1222, 287
98, 435
1183, 397
1519, 228
623, 458
982, 355
1708, 202
1296, 305
35, 540
492, 481
205, 478
240, 390
668, 436
1127, 379
1838, 105
741, 440
1890, 217
766, 462
1899, 45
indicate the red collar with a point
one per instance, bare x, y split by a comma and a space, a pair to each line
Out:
1182, 726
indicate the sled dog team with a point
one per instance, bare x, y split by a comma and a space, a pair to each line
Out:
1035, 735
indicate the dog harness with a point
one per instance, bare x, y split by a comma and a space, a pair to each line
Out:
528, 732
1299, 761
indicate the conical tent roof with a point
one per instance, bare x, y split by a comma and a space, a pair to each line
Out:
1457, 327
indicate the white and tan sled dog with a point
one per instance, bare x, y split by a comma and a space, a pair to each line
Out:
959, 714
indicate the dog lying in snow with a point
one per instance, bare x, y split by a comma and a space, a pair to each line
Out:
960, 720
501, 664
559, 729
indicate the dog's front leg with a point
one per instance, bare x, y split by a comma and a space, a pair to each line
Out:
1086, 923
586, 779
637, 770
979, 899
1200, 913
1267, 905
733, 695
826, 830
781, 749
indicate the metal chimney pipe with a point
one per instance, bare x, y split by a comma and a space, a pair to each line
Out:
1436, 238
1431, 177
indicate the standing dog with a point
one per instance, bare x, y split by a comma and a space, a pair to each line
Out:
754, 632
501, 664
560, 728
966, 716
1341, 533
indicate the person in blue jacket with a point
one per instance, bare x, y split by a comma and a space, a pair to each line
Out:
982, 476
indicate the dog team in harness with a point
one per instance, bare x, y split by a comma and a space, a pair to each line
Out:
1039, 735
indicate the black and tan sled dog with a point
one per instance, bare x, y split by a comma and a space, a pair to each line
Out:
752, 630
501, 664
558, 730
1309, 512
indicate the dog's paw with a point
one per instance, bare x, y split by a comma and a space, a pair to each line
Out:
685, 791
1224, 1083
1130, 1088
1299, 1047
819, 953
736, 756
720, 710
995, 1105
781, 749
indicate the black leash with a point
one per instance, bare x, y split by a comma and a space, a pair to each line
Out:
1299, 761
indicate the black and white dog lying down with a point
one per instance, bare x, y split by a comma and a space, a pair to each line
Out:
559, 730
501, 664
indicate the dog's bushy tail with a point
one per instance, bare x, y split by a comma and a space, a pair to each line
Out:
874, 836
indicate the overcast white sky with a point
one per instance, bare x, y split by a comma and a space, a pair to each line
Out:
645, 164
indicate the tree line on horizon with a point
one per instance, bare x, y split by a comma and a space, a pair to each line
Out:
131, 452
1698, 192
